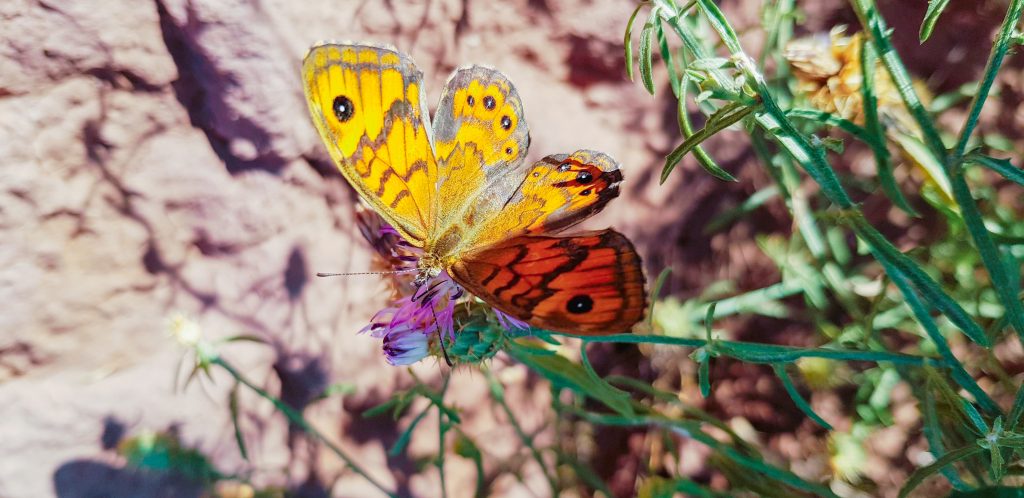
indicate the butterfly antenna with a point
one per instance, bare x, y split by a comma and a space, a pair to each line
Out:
440, 340
389, 272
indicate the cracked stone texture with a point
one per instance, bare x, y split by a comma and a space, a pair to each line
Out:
158, 157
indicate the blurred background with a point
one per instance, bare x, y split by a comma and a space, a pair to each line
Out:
157, 158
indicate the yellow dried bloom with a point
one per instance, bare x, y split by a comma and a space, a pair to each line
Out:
829, 75
828, 72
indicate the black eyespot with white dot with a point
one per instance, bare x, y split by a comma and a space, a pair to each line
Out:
489, 102
584, 177
579, 304
343, 108
585, 192
506, 122
508, 150
564, 167
470, 101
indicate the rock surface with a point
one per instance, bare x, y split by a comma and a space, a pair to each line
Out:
158, 158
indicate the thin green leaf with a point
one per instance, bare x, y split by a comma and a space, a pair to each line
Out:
921, 313
721, 25
872, 125
760, 301
832, 120
749, 205
245, 338
655, 293
704, 375
296, 418
384, 407
935, 8
1011, 441
686, 128
691, 42
709, 317
801, 403
1006, 240
594, 377
560, 371
769, 353
404, 438
1007, 37
1018, 409
725, 117
990, 492
924, 159
660, 487
1006, 286
933, 432
666, 55
339, 389
176, 384
466, 448
890, 257
972, 414
954, 98
1001, 166
796, 145
194, 373
646, 57
879, 34
233, 408
923, 473
627, 41
693, 430
997, 465
586, 474
778, 22
498, 393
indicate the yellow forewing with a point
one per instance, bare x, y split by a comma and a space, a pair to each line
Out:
367, 104
480, 138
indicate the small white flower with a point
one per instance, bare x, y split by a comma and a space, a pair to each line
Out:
185, 330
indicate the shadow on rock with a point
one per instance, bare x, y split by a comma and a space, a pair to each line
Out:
89, 479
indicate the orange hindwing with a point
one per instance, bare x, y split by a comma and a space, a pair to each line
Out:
585, 284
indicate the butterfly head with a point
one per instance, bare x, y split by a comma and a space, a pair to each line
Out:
429, 266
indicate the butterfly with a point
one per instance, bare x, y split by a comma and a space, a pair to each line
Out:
461, 193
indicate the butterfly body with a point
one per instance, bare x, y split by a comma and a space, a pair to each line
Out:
460, 191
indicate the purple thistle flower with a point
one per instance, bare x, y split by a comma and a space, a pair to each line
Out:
405, 346
509, 322
407, 325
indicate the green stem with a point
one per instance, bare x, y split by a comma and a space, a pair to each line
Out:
921, 313
812, 159
1003, 283
872, 21
995, 61
690, 429
872, 125
1015, 413
441, 431
498, 392
769, 353
296, 418
750, 300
